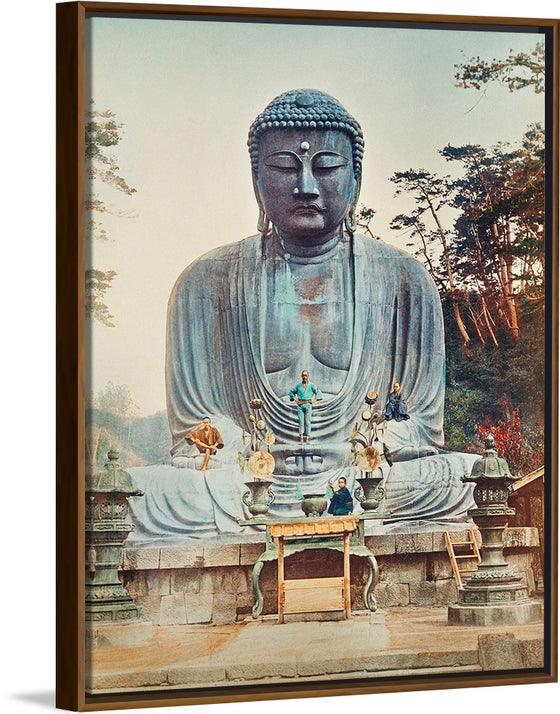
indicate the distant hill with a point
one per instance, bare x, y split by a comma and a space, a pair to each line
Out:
141, 441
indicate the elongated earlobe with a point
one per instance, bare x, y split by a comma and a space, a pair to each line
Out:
350, 221
263, 224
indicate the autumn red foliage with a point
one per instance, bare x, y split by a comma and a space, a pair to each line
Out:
511, 444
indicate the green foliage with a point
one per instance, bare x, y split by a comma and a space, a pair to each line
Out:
495, 382
116, 399
489, 258
364, 217
516, 71
500, 197
423, 225
150, 438
111, 421
141, 441
102, 132
97, 284
496, 257
461, 406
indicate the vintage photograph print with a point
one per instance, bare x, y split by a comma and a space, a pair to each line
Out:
316, 258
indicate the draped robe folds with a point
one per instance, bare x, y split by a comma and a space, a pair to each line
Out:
215, 365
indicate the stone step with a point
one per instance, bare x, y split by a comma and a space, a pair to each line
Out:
409, 642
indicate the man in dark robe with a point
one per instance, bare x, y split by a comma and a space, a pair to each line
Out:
396, 405
341, 503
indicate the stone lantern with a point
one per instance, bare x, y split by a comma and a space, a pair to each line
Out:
494, 595
107, 494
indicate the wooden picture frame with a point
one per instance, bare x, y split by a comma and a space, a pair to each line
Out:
71, 359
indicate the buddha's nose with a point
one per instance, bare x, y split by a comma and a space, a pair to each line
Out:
306, 185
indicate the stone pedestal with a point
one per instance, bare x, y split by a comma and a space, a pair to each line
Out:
494, 595
520, 613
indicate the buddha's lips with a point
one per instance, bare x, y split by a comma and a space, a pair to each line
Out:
309, 208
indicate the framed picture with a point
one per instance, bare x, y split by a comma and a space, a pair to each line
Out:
307, 337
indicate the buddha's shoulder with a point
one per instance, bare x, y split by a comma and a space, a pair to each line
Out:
394, 259
217, 264
377, 249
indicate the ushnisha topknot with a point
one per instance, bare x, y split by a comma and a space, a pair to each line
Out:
308, 108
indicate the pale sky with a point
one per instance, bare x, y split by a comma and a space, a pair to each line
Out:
187, 93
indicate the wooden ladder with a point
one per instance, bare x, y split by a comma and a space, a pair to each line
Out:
472, 545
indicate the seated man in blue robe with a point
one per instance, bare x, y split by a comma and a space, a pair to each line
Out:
396, 405
341, 503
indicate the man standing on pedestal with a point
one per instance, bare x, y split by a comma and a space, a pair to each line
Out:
304, 395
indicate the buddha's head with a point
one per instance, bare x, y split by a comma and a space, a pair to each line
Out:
306, 156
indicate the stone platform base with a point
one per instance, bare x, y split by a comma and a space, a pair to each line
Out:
203, 582
521, 613
398, 642
107, 635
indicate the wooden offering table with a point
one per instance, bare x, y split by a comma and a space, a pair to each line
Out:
284, 538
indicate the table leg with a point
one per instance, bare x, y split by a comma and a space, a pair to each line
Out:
347, 603
369, 599
257, 595
281, 579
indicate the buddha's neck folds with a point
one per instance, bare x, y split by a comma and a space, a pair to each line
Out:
303, 251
